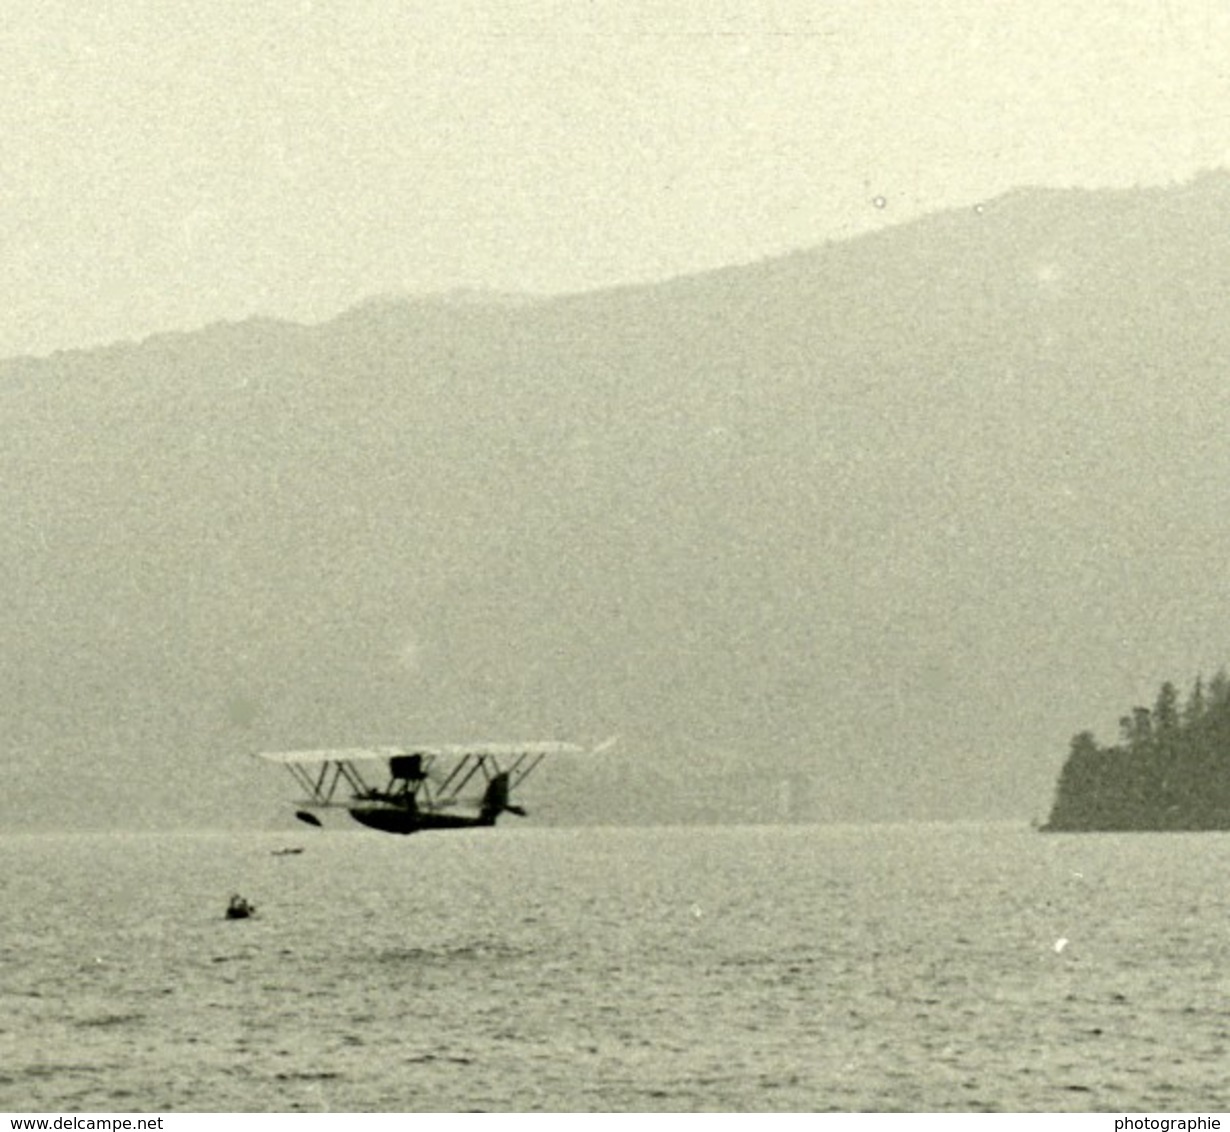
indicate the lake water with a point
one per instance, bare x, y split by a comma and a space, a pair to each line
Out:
749, 968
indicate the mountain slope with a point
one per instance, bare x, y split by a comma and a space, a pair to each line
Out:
887, 520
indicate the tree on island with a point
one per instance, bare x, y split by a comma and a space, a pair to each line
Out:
1170, 769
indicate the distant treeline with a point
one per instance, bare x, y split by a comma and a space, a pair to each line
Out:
1169, 770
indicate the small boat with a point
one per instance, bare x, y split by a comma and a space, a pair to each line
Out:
239, 908
289, 851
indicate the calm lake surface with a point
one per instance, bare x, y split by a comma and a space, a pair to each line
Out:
910, 967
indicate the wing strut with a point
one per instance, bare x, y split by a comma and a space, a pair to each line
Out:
470, 765
523, 772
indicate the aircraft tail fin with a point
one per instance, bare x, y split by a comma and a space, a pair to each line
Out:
495, 800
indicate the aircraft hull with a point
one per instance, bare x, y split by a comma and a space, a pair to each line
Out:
411, 821
389, 821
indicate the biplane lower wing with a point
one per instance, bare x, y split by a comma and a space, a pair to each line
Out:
421, 785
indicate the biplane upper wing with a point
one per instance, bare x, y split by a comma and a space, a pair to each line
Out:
331, 755
323, 772
532, 749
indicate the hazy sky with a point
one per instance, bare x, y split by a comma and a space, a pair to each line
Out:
167, 164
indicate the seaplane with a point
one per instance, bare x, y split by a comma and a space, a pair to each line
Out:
418, 787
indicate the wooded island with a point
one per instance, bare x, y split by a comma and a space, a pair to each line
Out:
1170, 769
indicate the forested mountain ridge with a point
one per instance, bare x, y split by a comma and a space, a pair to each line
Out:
825, 536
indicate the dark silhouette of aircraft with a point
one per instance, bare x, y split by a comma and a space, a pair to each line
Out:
423, 786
